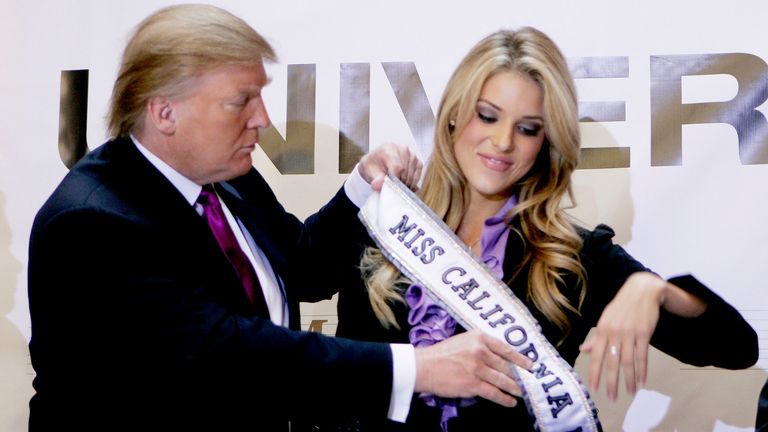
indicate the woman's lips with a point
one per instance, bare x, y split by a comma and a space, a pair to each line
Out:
496, 163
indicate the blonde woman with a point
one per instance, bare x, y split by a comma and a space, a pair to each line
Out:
506, 144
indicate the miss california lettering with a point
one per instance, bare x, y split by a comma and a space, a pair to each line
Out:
428, 250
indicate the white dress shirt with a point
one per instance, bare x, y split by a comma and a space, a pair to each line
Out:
358, 191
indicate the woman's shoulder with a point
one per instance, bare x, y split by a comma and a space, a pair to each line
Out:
600, 236
599, 250
601, 231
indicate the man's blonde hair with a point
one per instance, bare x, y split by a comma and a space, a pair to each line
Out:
170, 48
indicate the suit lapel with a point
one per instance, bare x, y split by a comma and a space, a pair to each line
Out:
258, 220
254, 220
165, 207
514, 254
254, 204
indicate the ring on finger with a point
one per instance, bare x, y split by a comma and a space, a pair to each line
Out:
613, 350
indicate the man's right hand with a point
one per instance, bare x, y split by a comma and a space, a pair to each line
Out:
470, 364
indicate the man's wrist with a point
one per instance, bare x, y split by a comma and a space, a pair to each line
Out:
357, 189
403, 381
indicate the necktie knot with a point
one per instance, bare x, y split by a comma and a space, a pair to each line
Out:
214, 214
208, 197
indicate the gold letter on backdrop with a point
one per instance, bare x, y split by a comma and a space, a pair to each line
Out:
73, 116
354, 113
601, 111
668, 114
295, 154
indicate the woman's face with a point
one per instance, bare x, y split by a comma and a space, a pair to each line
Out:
500, 143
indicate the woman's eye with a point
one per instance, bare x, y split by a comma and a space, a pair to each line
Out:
529, 130
486, 118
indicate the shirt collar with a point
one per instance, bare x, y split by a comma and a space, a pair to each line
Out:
189, 189
501, 215
494, 237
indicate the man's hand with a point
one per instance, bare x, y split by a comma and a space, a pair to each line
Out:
393, 158
470, 364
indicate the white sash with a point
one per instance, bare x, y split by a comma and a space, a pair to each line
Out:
411, 236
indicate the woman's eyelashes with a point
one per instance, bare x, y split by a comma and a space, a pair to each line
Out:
486, 117
526, 127
529, 129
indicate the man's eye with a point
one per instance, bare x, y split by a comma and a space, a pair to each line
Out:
239, 102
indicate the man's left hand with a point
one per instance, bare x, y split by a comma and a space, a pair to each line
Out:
390, 158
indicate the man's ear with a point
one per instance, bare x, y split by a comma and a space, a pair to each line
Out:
161, 114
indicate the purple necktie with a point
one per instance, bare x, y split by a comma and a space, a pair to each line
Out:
217, 221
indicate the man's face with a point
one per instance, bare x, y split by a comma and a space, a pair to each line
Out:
217, 123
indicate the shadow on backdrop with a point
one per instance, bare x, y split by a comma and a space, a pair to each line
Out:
15, 369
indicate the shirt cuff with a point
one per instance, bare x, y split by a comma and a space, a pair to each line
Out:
403, 381
357, 189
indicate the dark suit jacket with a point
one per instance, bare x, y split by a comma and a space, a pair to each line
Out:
139, 322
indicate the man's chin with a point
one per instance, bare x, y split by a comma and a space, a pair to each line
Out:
232, 172
244, 166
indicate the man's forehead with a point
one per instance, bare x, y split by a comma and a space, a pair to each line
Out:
240, 76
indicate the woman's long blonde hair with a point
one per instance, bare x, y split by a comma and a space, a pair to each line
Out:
552, 243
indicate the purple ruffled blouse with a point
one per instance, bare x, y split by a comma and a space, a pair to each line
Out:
431, 324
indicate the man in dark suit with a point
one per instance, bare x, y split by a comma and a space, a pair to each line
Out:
761, 421
143, 320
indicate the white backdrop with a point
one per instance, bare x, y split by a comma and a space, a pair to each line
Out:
705, 214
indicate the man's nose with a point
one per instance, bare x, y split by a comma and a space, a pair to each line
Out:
259, 118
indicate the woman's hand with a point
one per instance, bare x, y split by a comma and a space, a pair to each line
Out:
624, 330
393, 158
623, 333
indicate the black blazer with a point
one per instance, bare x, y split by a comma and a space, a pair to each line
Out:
139, 322
607, 266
